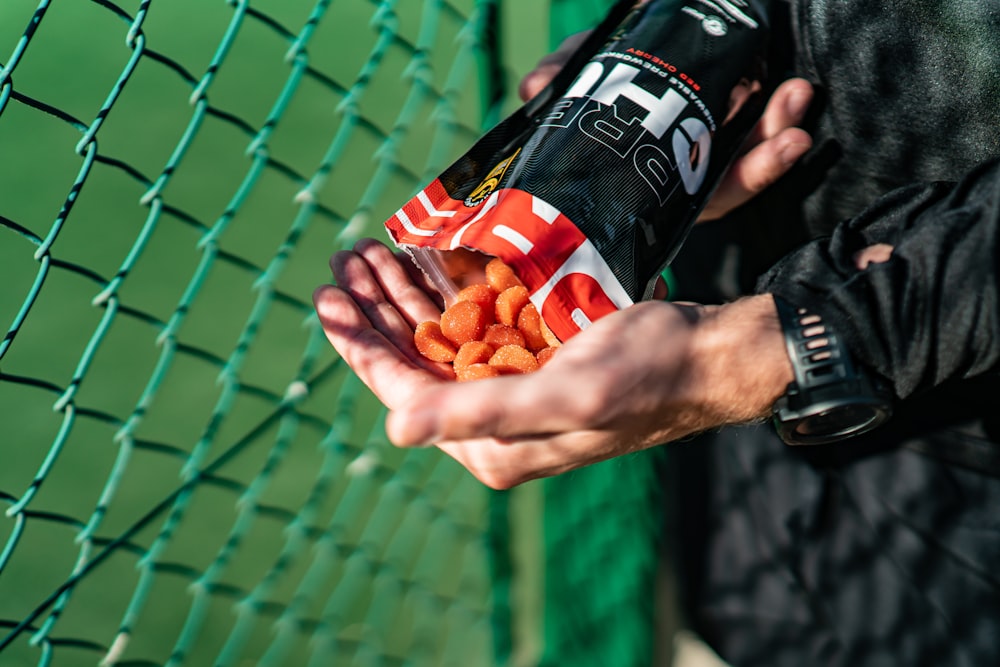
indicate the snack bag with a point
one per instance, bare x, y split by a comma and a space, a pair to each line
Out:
588, 190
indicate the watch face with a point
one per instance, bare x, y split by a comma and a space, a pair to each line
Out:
838, 422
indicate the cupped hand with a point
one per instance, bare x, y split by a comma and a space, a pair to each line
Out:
645, 375
771, 149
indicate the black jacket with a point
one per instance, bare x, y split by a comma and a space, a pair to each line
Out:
882, 550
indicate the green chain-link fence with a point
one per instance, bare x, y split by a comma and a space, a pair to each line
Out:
189, 474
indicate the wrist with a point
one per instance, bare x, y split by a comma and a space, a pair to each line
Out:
740, 354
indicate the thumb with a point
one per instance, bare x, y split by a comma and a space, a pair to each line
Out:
504, 407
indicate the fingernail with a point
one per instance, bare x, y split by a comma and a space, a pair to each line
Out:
417, 428
792, 152
797, 103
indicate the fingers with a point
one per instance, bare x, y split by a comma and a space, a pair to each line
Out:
381, 287
390, 374
512, 406
873, 254
775, 145
661, 290
752, 173
505, 464
396, 275
371, 315
420, 280
355, 277
536, 80
546, 69
786, 108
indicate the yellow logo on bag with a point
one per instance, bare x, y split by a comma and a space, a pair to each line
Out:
491, 182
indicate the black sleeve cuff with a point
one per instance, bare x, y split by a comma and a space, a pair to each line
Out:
928, 314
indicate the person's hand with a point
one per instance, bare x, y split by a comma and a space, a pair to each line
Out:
651, 373
774, 145
534, 81
772, 148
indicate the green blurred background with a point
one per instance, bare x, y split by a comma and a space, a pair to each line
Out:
237, 530
189, 474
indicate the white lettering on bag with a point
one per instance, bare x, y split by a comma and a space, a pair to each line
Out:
690, 142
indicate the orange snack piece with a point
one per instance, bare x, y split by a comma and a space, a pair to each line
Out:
529, 322
499, 276
509, 304
550, 338
473, 352
482, 294
499, 335
475, 372
544, 355
512, 359
464, 321
432, 343
491, 329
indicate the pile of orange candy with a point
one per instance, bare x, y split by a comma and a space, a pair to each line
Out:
491, 329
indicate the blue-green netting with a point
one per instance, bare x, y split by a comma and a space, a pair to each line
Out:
190, 475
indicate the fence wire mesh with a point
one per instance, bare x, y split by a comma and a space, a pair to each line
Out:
190, 475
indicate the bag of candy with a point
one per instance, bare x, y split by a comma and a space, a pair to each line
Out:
589, 189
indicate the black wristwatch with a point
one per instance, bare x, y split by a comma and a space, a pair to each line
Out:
831, 398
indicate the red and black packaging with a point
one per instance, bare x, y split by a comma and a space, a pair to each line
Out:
589, 189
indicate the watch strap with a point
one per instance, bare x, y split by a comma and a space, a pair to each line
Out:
818, 355
826, 382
